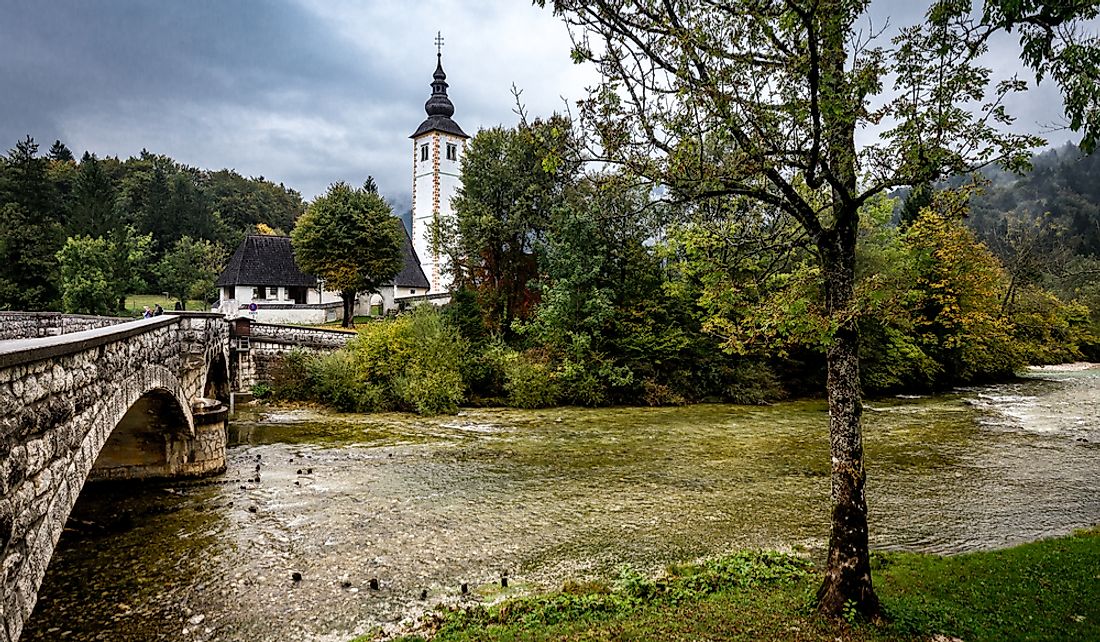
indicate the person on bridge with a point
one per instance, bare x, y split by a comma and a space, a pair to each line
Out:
146, 313
157, 310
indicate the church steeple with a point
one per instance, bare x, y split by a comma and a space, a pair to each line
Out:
439, 106
438, 146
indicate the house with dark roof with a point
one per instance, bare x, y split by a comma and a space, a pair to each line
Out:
263, 271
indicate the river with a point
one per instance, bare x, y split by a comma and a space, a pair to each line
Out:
544, 496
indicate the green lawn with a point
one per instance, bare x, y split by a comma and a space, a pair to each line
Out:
135, 303
1048, 590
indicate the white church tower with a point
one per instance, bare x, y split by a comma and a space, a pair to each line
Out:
438, 145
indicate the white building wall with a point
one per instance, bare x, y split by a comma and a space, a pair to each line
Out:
435, 182
278, 307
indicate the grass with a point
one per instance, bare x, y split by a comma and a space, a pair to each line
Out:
1047, 590
135, 303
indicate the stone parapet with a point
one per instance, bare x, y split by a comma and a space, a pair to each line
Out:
29, 325
301, 336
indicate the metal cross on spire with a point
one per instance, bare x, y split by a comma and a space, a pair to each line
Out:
439, 43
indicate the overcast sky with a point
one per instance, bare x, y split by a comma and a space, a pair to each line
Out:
303, 92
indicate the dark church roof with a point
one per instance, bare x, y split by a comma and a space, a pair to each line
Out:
269, 260
264, 260
410, 276
439, 107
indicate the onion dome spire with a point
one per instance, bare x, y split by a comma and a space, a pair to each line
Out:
439, 106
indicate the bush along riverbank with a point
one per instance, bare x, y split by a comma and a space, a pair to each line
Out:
1045, 590
432, 361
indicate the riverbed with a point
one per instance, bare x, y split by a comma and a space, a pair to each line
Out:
316, 505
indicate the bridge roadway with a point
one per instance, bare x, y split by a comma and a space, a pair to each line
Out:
111, 402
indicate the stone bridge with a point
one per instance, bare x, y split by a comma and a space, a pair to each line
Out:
92, 398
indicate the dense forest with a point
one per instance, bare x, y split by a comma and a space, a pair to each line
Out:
81, 235
588, 288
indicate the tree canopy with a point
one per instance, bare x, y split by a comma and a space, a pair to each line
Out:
762, 101
502, 211
350, 239
45, 199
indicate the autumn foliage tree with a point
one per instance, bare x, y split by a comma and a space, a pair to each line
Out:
715, 99
349, 238
502, 212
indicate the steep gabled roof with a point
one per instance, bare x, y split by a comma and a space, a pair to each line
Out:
269, 260
264, 260
411, 275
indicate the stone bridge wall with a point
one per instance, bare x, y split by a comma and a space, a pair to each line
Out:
62, 397
268, 343
29, 325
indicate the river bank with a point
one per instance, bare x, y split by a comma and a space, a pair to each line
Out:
1045, 590
429, 504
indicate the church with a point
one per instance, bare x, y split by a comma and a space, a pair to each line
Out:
262, 280
438, 145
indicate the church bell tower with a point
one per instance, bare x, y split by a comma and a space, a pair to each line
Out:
438, 145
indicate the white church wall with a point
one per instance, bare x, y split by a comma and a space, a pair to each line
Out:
435, 182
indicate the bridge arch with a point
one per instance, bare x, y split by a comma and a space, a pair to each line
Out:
110, 403
217, 384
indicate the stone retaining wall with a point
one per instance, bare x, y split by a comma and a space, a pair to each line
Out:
297, 335
268, 343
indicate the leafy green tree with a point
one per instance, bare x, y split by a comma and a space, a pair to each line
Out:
511, 181
87, 276
956, 297
349, 239
599, 313
131, 262
918, 198
30, 230
146, 197
190, 268
243, 203
762, 100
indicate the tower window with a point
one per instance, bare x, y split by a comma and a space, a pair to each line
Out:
452, 151
424, 152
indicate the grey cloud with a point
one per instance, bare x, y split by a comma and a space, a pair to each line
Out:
304, 92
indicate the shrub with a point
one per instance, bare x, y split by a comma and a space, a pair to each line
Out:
413, 362
753, 383
290, 377
431, 380
529, 381
484, 371
658, 394
336, 381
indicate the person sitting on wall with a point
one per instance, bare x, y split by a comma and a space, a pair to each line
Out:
146, 313
179, 305
157, 310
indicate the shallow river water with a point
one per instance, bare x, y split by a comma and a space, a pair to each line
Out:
544, 496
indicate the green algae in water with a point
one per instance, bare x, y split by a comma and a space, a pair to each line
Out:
430, 503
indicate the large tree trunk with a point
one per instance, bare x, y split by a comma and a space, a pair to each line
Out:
348, 297
848, 571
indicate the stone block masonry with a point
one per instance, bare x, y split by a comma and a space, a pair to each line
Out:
269, 343
117, 400
30, 325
